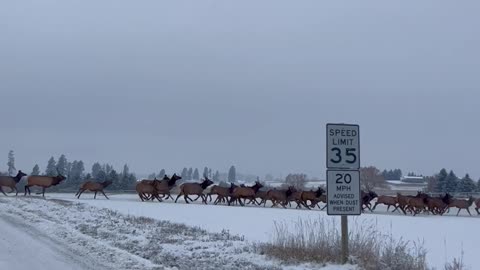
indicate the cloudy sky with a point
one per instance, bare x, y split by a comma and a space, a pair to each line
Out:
168, 84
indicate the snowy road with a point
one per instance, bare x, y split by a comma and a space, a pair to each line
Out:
22, 247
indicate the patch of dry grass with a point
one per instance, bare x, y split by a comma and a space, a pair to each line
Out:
319, 241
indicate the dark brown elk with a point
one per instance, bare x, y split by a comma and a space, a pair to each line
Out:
387, 200
244, 193
223, 193
279, 197
262, 196
366, 198
11, 182
477, 205
146, 190
437, 206
43, 181
194, 189
312, 196
93, 187
402, 203
418, 203
164, 186
295, 196
462, 204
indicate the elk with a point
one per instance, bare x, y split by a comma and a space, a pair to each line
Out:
194, 189
164, 186
244, 193
418, 203
279, 197
312, 196
223, 193
438, 205
43, 181
11, 182
367, 197
462, 204
146, 190
94, 187
387, 200
263, 196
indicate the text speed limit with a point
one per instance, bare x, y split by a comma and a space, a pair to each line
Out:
343, 146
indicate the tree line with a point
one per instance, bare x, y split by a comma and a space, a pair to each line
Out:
76, 173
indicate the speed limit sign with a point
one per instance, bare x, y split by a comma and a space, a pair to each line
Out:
343, 146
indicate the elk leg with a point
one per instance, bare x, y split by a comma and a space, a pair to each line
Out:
1, 189
43, 192
325, 206
16, 191
468, 211
185, 198
375, 205
26, 188
459, 209
179, 194
477, 210
141, 197
104, 194
80, 193
388, 208
95, 196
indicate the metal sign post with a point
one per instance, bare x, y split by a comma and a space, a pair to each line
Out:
343, 177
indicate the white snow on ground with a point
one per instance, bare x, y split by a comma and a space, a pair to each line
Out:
57, 234
444, 237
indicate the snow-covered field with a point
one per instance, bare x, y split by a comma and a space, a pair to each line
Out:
57, 234
444, 237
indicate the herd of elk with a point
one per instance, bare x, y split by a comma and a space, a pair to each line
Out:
159, 189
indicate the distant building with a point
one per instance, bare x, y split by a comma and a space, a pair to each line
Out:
413, 179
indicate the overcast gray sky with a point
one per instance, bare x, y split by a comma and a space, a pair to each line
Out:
168, 84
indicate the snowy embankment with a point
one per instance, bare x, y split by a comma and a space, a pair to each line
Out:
61, 234
444, 237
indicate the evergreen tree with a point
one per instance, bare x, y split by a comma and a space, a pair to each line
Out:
96, 168
161, 174
216, 177
478, 185
11, 163
397, 174
62, 165
35, 170
441, 181
210, 172
466, 184
76, 174
205, 172
113, 176
196, 174
126, 170
451, 183
184, 173
88, 176
51, 169
190, 174
232, 174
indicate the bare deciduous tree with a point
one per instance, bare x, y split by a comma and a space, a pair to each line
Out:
371, 177
296, 180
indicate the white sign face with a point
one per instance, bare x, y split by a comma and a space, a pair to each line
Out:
343, 146
343, 192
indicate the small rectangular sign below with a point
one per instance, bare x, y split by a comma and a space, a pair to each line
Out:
343, 192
